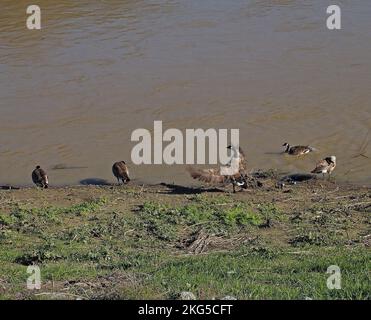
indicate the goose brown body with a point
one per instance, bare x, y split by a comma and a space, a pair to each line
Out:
218, 176
40, 178
214, 176
243, 162
121, 171
297, 150
326, 165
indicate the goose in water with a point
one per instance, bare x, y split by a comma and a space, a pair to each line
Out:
297, 150
326, 165
121, 172
40, 178
234, 173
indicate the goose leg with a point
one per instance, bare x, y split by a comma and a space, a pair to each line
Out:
244, 185
330, 177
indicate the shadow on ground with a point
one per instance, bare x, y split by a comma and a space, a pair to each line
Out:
177, 189
95, 182
299, 177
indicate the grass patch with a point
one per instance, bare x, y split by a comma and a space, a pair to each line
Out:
220, 217
134, 244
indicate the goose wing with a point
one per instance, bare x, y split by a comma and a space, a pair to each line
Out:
120, 170
243, 161
321, 167
224, 174
207, 175
39, 177
297, 150
36, 178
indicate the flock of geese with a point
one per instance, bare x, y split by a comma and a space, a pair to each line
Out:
235, 172
239, 177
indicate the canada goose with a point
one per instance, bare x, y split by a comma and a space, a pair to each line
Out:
121, 172
240, 155
297, 150
233, 173
326, 165
40, 178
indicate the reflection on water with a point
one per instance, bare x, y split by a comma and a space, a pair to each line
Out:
73, 92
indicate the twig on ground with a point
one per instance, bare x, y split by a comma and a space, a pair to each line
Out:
59, 294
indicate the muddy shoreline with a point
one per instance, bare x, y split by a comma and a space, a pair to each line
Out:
267, 177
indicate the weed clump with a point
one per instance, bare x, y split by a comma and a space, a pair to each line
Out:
41, 254
219, 216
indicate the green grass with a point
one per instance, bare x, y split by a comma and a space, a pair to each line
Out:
250, 274
100, 248
220, 216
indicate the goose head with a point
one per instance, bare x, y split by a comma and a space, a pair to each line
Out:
287, 146
235, 151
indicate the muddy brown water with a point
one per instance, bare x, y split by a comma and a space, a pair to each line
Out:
72, 93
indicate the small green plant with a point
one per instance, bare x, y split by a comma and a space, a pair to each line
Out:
6, 221
41, 254
160, 220
240, 215
269, 211
194, 213
86, 207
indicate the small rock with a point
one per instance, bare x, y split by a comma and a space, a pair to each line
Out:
228, 298
186, 295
